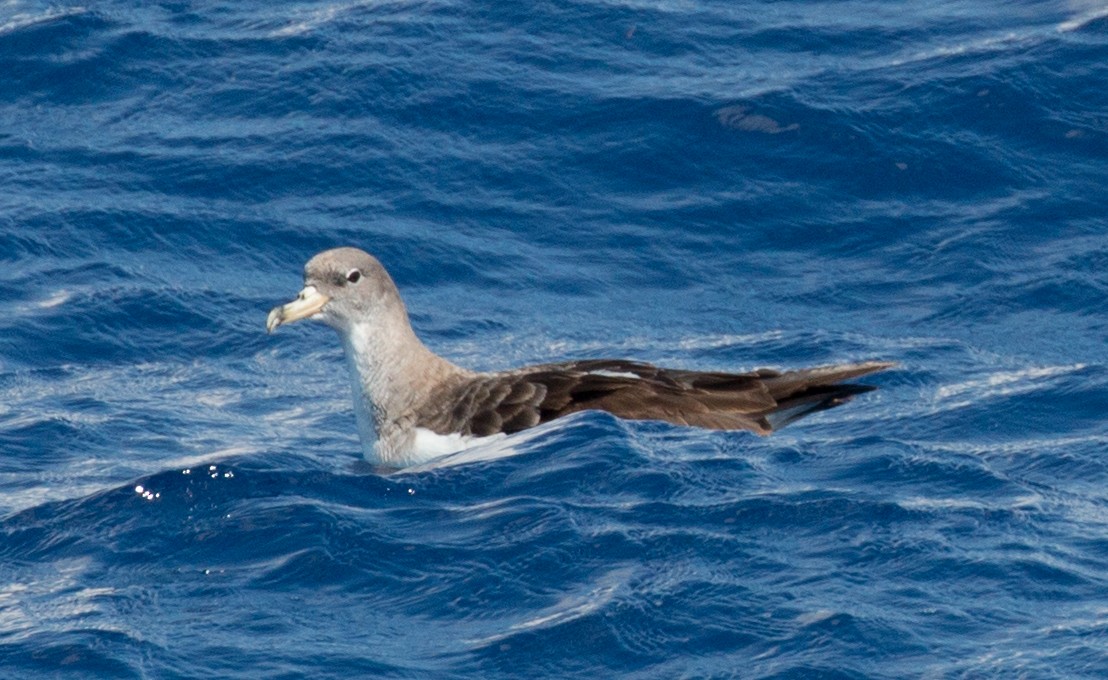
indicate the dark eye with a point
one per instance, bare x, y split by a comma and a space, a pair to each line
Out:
353, 276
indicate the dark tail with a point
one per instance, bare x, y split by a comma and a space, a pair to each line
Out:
801, 393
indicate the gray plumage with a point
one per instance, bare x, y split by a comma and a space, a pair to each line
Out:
412, 404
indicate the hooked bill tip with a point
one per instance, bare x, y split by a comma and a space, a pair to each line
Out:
276, 316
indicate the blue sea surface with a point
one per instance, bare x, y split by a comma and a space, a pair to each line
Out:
716, 184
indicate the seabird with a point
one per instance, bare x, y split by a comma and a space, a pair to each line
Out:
412, 405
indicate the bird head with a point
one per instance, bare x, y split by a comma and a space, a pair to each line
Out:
341, 287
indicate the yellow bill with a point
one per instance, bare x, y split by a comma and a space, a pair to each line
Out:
308, 303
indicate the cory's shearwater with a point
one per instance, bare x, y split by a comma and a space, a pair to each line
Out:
412, 405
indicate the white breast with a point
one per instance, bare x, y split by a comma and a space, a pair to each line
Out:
427, 444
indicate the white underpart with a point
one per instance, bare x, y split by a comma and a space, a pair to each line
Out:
616, 374
427, 444
495, 447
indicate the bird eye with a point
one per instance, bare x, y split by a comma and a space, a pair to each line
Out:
353, 276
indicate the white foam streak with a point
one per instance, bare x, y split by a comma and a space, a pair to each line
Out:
1004, 383
993, 44
1083, 19
198, 460
569, 608
310, 20
55, 602
19, 21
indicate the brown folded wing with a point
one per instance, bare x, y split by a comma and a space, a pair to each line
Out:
761, 401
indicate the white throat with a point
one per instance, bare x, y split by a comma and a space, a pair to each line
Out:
359, 369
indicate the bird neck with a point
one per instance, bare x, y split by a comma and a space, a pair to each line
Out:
394, 371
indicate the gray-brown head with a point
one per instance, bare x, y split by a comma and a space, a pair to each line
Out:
342, 286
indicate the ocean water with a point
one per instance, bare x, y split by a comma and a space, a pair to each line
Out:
699, 183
